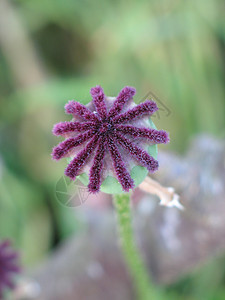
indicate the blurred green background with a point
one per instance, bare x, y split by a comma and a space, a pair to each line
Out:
55, 50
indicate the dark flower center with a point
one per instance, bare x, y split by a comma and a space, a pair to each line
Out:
105, 127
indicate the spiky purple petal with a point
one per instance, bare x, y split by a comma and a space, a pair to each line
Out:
144, 109
98, 97
141, 155
66, 127
124, 96
82, 157
156, 136
66, 146
105, 131
122, 174
96, 169
76, 108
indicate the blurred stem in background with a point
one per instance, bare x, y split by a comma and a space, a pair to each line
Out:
23, 60
141, 280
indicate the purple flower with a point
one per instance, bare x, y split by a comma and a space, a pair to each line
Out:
8, 266
111, 132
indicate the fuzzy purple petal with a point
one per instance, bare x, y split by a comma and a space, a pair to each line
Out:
98, 97
122, 174
76, 108
13, 268
139, 154
144, 109
66, 146
82, 157
124, 96
96, 169
11, 256
4, 245
8, 282
104, 131
153, 135
66, 127
8, 266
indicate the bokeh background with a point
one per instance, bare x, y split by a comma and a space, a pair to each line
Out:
55, 50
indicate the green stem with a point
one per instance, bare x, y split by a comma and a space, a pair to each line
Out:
135, 264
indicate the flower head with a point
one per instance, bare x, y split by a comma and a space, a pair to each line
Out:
112, 133
8, 266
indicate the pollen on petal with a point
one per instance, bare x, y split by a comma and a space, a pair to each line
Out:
76, 108
141, 155
66, 127
156, 136
124, 96
122, 174
63, 148
82, 157
98, 97
96, 169
144, 109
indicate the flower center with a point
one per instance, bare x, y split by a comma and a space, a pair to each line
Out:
105, 127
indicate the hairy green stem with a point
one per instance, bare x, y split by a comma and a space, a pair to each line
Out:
141, 280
